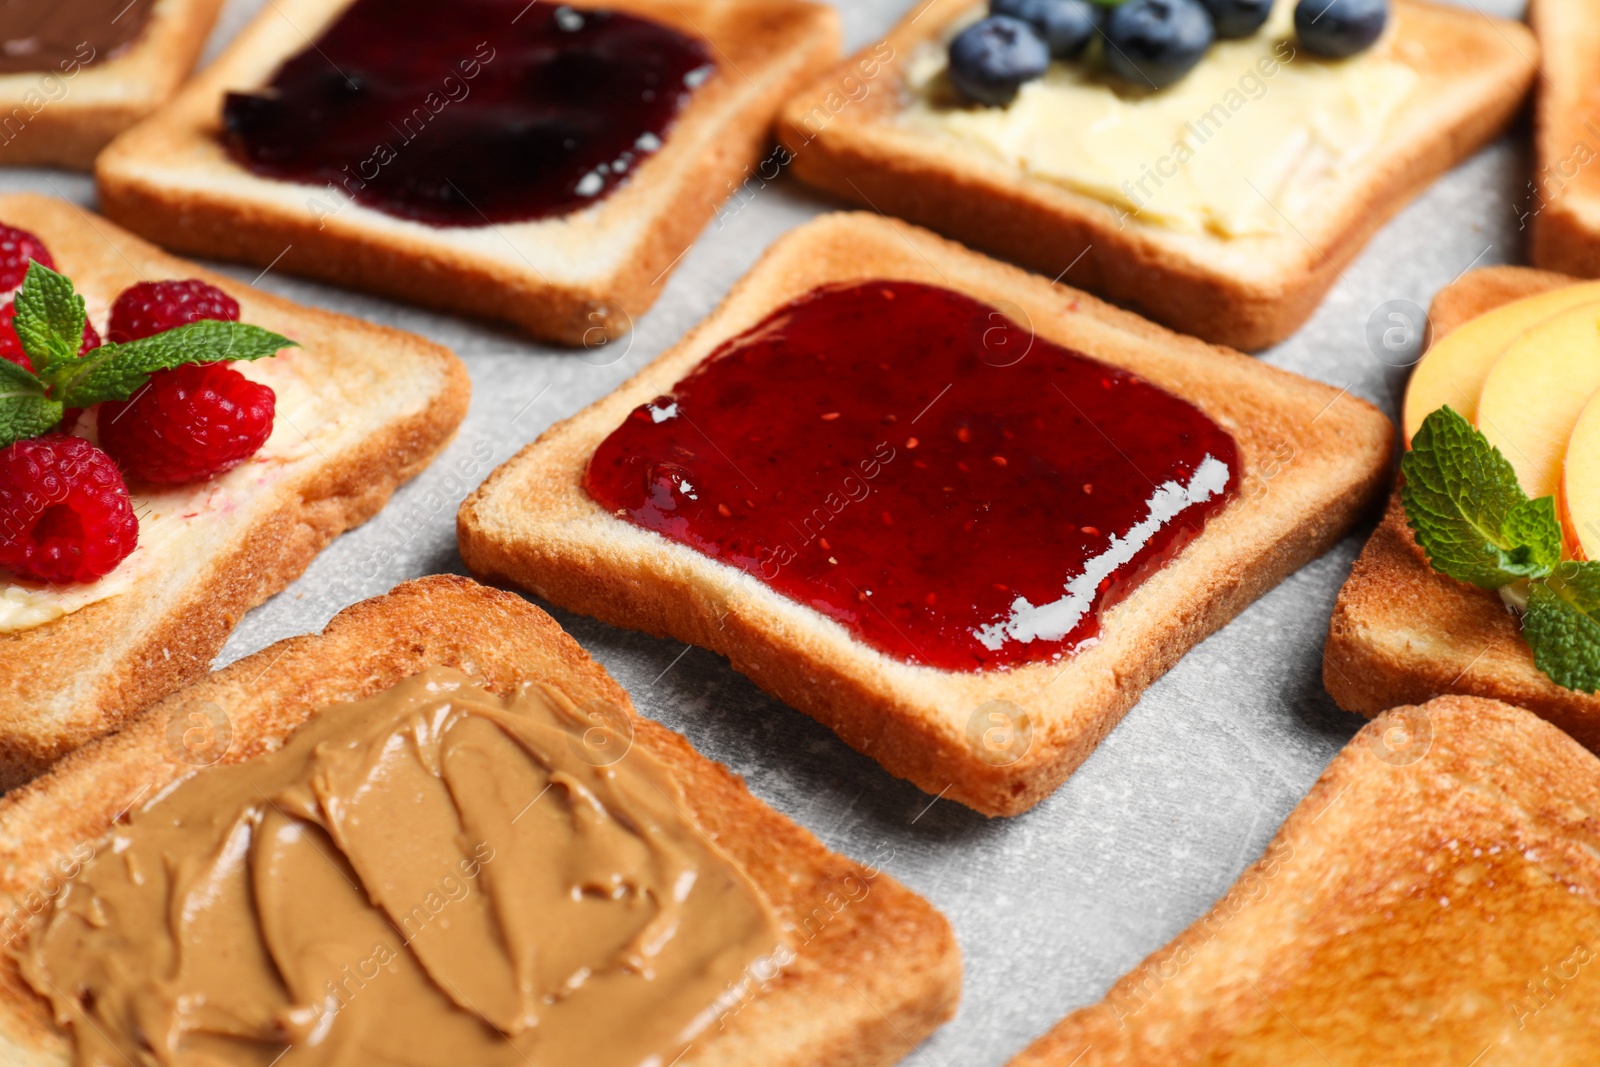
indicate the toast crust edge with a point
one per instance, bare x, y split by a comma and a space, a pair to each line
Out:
232, 224
896, 714
314, 509
68, 133
1081, 240
1402, 633
1488, 767
823, 1010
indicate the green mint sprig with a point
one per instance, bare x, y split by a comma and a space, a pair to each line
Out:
49, 320
1474, 522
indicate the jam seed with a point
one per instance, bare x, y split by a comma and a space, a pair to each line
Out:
1087, 487
887, 519
830, 416
823, 541
1091, 531
722, 509
963, 435
929, 599
999, 461
911, 442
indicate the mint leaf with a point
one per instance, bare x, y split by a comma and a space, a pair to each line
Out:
25, 411
15, 381
1562, 626
49, 317
1533, 525
117, 371
26, 416
1470, 515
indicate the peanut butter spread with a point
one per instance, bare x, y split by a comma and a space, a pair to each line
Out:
434, 876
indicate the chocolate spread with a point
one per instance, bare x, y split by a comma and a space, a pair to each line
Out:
61, 35
433, 876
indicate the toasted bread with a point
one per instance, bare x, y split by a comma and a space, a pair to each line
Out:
579, 279
1404, 633
876, 969
1245, 291
397, 400
1431, 902
1563, 214
65, 115
1313, 458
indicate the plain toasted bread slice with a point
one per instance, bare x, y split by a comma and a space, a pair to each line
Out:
876, 970
1248, 292
1563, 214
65, 115
1404, 633
1434, 900
1313, 459
361, 409
580, 279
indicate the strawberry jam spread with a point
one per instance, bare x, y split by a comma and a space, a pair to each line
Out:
470, 112
916, 466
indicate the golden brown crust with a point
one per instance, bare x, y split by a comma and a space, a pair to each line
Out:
65, 117
877, 969
1419, 906
68, 681
1313, 460
1564, 213
1402, 633
1247, 293
578, 280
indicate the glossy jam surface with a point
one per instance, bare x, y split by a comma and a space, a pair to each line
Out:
470, 112
917, 466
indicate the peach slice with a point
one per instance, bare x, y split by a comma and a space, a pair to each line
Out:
1580, 486
1535, 392
1456, 364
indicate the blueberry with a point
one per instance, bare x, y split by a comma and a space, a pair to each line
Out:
1156, 42
1340, 28
1065, 25
990, 60
1238, 18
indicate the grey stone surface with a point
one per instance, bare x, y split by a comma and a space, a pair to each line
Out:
1050, 907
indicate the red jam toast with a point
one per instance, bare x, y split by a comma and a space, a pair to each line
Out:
825, 525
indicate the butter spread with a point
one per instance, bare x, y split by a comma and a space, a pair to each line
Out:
432, 876
172, 519
1248, 144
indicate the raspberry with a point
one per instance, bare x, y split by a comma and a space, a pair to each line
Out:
11, 344
190, 423
153, 307
17, 247
65, 515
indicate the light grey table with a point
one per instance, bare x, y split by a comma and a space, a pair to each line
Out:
1050, 907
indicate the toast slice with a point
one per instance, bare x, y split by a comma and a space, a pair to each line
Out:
579, 279
877, 967
1430, 902
361, 409
1312, 457
1402, 632
63, 116
845, 136
1563, 213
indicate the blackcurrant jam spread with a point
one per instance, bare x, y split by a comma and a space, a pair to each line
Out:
917, 466
470, 112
